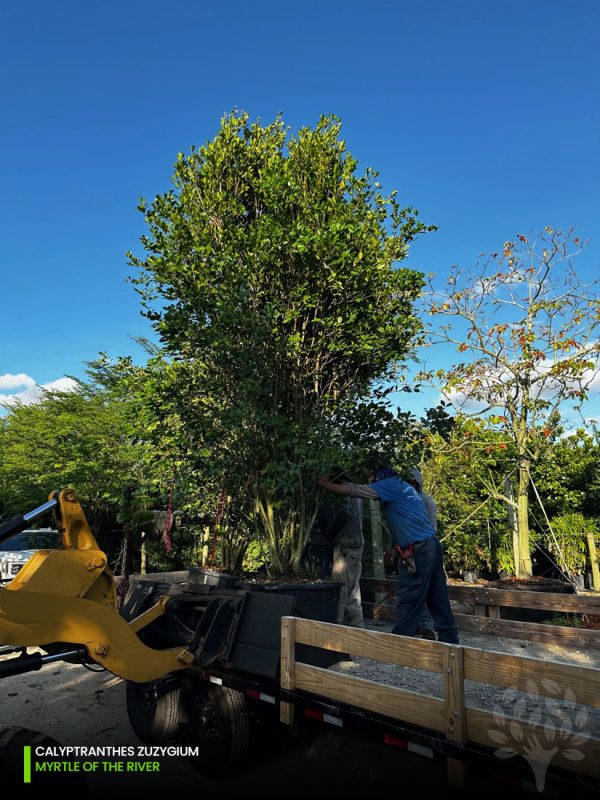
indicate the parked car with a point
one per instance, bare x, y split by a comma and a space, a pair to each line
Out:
17, 550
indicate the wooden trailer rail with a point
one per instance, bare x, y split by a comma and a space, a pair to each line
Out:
450, 716
487, 603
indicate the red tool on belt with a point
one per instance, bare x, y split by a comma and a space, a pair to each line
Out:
407, 558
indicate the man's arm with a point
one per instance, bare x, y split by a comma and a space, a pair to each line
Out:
349, 489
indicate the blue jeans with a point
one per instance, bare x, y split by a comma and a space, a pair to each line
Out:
427, 587
427, 623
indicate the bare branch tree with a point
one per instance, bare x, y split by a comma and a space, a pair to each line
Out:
528, 328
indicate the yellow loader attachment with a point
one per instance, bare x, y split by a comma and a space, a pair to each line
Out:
68, 597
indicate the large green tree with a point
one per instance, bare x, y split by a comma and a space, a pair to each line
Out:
272, 275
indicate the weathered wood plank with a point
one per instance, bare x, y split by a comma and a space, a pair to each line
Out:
507, 670
535, 632
532, 631
483, 727
546, 601
454, 694
288, 666
549, 601
405, 651
388, 585
411, 707
462, 593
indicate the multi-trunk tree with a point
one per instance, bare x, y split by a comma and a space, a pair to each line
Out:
272, 274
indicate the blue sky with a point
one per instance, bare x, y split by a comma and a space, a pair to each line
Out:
484, 114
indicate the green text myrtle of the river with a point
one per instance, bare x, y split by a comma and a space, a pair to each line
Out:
58, 758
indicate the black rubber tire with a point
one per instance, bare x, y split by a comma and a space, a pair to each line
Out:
153, 709
12, 742
219, 725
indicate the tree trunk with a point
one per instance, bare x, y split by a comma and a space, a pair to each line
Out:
143, 556
524, 562
511, 513
205, 545
377, 544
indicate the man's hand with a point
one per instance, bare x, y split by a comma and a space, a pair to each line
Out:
338, 488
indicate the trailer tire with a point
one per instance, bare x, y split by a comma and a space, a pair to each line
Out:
153, 709
219, 725
12, 742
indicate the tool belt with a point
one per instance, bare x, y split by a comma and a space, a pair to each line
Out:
407, 558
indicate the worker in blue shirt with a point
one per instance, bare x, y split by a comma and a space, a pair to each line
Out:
421, 577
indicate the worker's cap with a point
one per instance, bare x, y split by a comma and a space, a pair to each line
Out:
376, 460
414, 475
380, 465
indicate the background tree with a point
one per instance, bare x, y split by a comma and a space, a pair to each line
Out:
80, 439
461, 458
271, 272
567, 477
529, 328
567, 473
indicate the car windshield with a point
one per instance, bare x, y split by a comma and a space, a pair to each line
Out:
32, 540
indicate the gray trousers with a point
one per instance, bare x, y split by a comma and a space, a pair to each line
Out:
347, 566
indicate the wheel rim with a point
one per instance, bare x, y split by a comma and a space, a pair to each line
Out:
205, 723
148, 700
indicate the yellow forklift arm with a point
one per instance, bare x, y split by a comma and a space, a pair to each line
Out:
68, 596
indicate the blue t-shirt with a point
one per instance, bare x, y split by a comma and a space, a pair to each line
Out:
404, 511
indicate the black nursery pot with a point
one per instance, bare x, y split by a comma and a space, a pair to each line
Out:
212, 577
258, 642
312, 600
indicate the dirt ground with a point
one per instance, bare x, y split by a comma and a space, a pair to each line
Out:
79, 707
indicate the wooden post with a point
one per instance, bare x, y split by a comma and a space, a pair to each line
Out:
480, 602
377, 547
205, 543
494, 612
454, 695
593, 560
288, 664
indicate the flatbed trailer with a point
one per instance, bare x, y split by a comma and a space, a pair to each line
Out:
200, 660
302, 688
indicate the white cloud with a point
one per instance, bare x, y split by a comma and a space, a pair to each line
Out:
572, 425
31, 392
10, 381
463, 402
544, 385
594, 381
